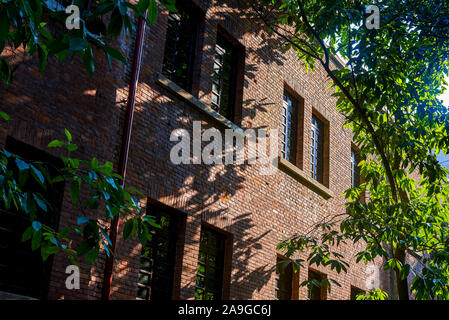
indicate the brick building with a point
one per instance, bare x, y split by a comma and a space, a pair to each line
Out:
221, 222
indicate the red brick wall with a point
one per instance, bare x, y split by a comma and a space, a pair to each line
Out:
257, 210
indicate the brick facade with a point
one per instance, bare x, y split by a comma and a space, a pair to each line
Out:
253, 210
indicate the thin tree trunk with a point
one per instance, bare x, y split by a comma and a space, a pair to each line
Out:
402, 284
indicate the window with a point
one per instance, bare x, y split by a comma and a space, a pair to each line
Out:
291, 135
355, 169
157, 263
318, 137
225, 84
288, 127
283, 281
180, 44
355, 292
209, 276
22, 270
317, 292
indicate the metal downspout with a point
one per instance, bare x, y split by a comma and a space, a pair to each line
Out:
124, 152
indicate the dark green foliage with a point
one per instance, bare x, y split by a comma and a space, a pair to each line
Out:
32, 23
387, 89
102, 190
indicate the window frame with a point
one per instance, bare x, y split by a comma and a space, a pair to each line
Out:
176, 247
319, 149
354, 291
355, 169
295, 133
225, 260
236, 58
196, 17
319, 276
31, 153
292, 278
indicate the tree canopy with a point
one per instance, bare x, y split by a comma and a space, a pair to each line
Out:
387, 89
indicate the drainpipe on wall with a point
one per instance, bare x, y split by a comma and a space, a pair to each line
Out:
138, 46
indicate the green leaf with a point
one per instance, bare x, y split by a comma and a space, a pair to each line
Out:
115, 54
169, 4
94, 163
22, 165
74, 163
127, 229
5, 116
36, 225
38, 174
36, 241
83, 248
42, 54
47, 251
116, 23
78, 44
122, 8
40, 202
92, 255
68, 135
143, 234
103, 8
27, 234
56, 143
89, 61
72, 147
142, 6
105, 235
82, 220
75, 192
55, 241
65, 231
152, 11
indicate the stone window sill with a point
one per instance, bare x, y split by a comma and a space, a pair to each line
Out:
194, 102
304, 179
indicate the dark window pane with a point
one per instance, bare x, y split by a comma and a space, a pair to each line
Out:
209, 275
180, 45
317, 146
283, 281
142, 293
224, 78
355, 292
355, 169
22, 271
158, 258
317, 292
289, 128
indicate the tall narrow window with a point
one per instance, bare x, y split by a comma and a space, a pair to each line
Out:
355, 169
224, 80
317, 292
283, 281
209, 276
290, 126
157, 263
180, 43
355, 292
317, 149
22, 270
